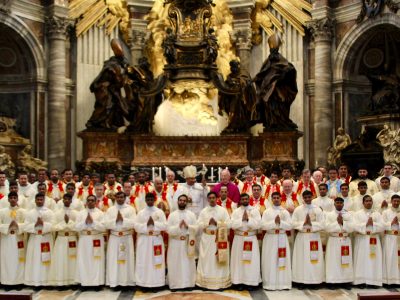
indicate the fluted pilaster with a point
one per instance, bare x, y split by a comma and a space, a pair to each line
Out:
322, 31
57, 30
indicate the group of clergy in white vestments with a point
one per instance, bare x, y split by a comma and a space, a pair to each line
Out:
262, 230
40, 247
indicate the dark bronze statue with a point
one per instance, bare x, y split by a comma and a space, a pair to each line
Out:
212, 47
169, 47
385, 92
238, 104
111, 109
147, 105
276, 89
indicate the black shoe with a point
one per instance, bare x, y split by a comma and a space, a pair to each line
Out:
300, 286
347, 286
331, 286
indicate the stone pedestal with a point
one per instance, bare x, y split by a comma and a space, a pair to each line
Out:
182, 151
108, 147
271, 146
226, 150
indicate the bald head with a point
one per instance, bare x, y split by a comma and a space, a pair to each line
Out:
317, 176
170, 176
287, 186
225, 176
158, 184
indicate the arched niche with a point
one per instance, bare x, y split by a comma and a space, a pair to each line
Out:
23, 81
369, 48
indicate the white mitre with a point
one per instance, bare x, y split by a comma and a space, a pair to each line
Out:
189, 172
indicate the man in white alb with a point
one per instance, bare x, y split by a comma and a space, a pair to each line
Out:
276, 266
39, 223
13, 244
63, 261
391, 245
120, 220
90, 268
245, 256
182, 229
150, 250
213, 265
368, 224
339, 253
394, 181
308, 260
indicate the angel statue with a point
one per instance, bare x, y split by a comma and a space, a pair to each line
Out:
387, 139
342, 140
28, 162
6, 164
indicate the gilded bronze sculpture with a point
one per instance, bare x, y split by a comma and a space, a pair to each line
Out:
276, 89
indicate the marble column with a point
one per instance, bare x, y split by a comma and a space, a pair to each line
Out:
138, 35
322, 119
243, 47
56, 28
137, 42
241, 10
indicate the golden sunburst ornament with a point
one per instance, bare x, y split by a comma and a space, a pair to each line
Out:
111, 13
296, 12
107, 13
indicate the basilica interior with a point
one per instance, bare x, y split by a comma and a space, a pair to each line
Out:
131, 84
51, 53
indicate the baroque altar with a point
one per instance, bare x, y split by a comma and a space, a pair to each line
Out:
189, 100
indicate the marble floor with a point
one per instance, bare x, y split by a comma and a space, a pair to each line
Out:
259, 294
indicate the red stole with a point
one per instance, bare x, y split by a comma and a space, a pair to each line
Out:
50, 188
80, 190
165, 187
269, 187
284, 199
137, 189
246, 186
310, 185
262, 180
228, 204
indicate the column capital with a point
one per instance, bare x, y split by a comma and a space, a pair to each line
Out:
322, 29
57, 27
137, 39
243, 39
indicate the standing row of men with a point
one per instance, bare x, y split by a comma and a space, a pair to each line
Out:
68, 246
